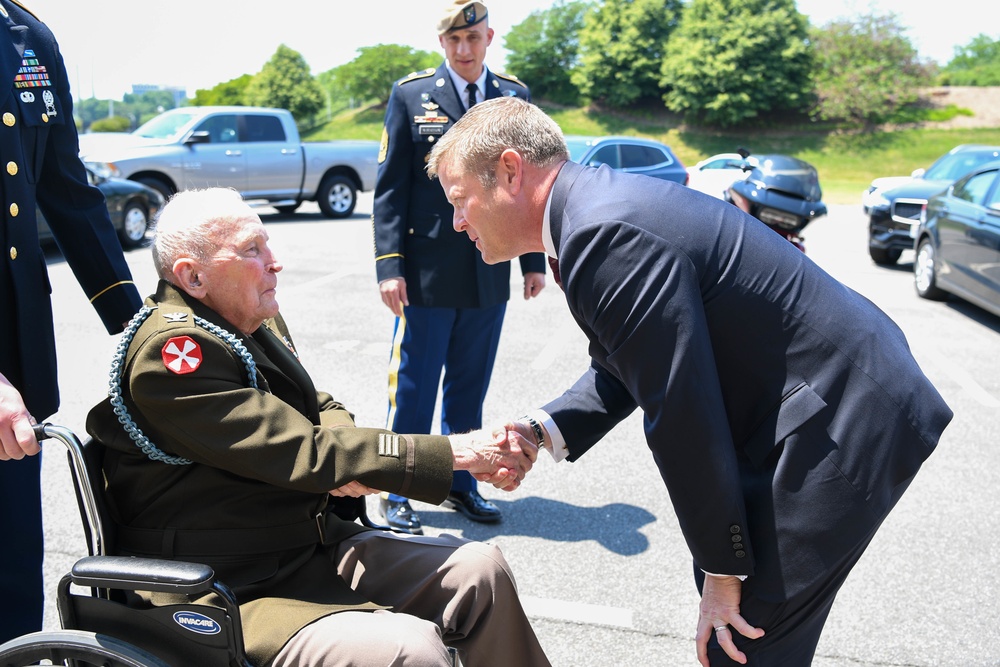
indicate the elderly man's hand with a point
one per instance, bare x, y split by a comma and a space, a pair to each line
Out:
17, 440
353, 489
499, 457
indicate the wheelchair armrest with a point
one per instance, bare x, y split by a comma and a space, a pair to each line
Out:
143, 574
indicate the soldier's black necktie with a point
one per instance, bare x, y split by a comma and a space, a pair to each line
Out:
472, 94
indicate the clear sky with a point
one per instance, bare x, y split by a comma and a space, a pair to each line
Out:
108, 45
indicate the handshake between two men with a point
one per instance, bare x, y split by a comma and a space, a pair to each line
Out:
501, 456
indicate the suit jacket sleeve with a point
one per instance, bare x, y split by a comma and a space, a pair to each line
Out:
589, 409
647, 323
213, 417
78, 216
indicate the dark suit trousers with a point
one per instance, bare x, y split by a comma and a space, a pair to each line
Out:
461, 341
793, 627
21, 592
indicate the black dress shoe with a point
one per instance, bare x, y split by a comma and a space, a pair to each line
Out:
473, 505
400, 516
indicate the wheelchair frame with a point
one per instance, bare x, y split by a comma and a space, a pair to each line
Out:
101, 628
93, 626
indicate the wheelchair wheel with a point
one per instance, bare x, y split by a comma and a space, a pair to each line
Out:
74, 648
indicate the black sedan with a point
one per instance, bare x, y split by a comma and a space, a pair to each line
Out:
632, 154
894, 216
132, 207
958, 241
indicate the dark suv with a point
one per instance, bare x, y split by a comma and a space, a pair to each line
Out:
894, 218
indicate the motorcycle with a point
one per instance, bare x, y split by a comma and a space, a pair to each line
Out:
782, 192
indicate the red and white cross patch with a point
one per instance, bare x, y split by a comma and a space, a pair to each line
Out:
181, 355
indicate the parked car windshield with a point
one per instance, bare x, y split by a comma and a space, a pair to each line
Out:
956, 165
166, 126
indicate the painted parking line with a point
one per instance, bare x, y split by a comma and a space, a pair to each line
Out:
577, 612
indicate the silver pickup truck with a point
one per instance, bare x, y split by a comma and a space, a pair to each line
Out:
251, 149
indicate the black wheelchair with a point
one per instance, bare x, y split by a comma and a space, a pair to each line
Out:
101, 627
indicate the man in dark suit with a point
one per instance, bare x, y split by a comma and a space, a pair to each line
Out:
222, 451
784, 411
39, 146
449, 305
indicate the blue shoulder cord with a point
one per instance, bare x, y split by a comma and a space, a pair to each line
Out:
118, 367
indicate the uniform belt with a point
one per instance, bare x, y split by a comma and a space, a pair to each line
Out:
173, 543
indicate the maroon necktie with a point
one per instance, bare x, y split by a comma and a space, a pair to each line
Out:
554, 265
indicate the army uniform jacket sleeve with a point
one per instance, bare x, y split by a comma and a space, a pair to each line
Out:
211, 415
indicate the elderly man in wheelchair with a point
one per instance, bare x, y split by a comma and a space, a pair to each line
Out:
219, 451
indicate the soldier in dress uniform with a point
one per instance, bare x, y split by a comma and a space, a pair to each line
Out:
449, 304
40, 165
220, 450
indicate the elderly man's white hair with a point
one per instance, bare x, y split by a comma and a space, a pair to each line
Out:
191, 224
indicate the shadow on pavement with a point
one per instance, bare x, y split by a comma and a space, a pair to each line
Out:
614, 526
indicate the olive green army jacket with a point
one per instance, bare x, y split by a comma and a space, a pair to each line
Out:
226, 457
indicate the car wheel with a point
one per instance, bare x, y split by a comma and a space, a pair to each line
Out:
925, 273
884, 257
157, 184
337, 196
135, 222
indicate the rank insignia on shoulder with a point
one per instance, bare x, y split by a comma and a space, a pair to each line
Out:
413, 76
511, 78
175, 317
181, 355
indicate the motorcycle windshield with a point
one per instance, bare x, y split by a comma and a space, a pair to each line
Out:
787, 175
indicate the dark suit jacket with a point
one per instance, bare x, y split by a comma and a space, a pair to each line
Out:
263, 460
412, 218
781, 407
39, 147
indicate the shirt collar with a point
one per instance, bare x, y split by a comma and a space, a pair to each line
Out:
461, 83
547, 242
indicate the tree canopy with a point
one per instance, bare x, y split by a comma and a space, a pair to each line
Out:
732, 61
544, 49
866, 69
285, 82
369, 77
622, 44
975, 64
227, 93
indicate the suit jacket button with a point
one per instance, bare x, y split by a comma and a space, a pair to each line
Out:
13, 253
9, 120
734, 529
14, 210
741, 554
12, 168
737, 538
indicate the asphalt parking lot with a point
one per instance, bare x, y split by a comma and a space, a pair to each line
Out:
599, 559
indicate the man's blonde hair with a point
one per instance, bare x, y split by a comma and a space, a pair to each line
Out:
474, 144
193, 223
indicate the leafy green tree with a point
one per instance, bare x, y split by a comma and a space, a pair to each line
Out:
227, 93
975, 64
866, 69
622, 45
733, 61
112, 124
286, 82
543, 50
369, 77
